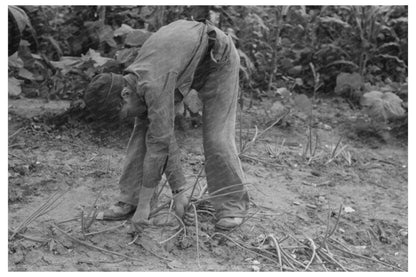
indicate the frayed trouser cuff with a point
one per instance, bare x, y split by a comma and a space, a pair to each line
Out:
127, 199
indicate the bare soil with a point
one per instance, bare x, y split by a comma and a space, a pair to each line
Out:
290, 198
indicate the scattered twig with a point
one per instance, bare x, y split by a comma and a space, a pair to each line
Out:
331, 259
43, 209
289, 257
251, 251
305, 150
246, 145
216, 196
30, 238
203, 191
82, 224
247, 218
382, 236
93, 246
16, 144
153, 253
336, 223
313, 253
196, 181
314, 150
259, 160
157, 209
274, 123
68, 220
177, 218
276, 244
15, 133
93, 214
328, 232
363, 257
197, 235
369, 237
106, 230
336, 147
136, 237
162, 187
334, 152
310, 137
20, 158
321, 262
173, 236
257, 136
285, 257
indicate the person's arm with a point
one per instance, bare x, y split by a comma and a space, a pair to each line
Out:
159, 99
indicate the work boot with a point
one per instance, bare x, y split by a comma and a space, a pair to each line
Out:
118, 211
227, 223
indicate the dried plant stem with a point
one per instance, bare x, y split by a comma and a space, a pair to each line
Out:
336, 223
162, 187
334, 153
329, 233
276, 245
274, 123
43, 209
259, 160
285, 257
256, 135
93, 246
336, 147
171, 237
30, 238
68, 220
136, 236
313, 253
15, 133
329, 258
196, 181
247, 218
82, 224
106, 230
249, 250
197, 235
177, 218
310, 136
363, 257
289, 257
321, 262
246, 145
316, 144
93, 214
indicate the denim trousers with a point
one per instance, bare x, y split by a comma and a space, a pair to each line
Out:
216, 78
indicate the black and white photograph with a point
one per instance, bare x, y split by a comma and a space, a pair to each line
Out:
199, 138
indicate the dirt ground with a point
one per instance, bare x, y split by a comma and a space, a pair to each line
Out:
293, 202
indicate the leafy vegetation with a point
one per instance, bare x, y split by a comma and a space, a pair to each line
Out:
341, 50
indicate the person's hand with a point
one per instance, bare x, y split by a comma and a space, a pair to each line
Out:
182, 208
180, 201
140, 218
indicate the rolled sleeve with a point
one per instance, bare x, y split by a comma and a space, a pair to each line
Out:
159, 98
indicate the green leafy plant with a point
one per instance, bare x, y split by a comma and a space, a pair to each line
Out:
366, 39
382, 106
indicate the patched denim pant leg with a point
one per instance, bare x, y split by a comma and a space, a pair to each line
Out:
223, 167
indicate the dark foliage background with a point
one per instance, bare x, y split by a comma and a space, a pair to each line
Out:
325, 50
